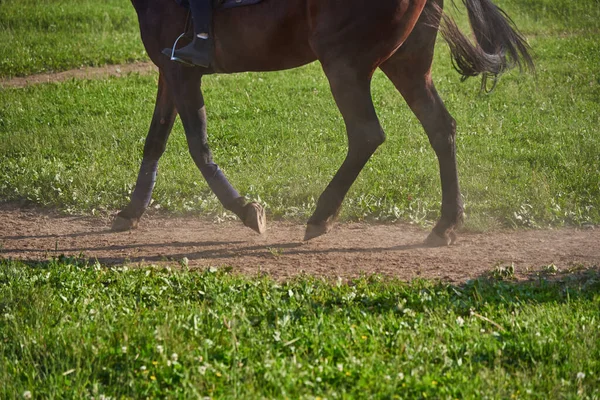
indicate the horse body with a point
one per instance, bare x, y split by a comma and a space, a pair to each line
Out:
275, 35
351, 39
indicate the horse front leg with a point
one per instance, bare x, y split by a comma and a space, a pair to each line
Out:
352, 93
156, 141
190, 104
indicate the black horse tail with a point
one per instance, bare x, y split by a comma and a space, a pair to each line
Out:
499, 45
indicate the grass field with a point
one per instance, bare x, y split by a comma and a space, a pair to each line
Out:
69, 329
55, 35
529, 155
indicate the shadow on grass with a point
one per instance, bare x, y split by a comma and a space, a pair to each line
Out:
550, 285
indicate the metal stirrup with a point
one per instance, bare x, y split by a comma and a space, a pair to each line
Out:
173, 58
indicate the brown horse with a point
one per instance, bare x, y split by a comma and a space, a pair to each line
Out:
351, 39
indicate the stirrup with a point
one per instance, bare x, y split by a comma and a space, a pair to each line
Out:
171, 53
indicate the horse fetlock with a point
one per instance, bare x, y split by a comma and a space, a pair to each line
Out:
454, 217
460, 219
238, 207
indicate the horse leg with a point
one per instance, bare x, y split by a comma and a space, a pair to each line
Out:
412, 77
185, 83
156, 140
352, 94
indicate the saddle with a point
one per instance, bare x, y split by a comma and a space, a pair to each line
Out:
188, 30
217, 4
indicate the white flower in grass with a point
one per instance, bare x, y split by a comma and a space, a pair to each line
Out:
400, 375
460, 321
143, 368
124, 349
580, 376
160, 349
174, 357
27, 394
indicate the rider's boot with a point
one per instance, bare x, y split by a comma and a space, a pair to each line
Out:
199, 52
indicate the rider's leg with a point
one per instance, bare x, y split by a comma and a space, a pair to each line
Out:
199, 51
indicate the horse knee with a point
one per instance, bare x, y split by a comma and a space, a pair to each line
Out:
154, 148
201, 157
377, 138
367, 138
442, 136
199, 150
371, 142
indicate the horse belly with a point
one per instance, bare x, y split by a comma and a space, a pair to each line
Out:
270, 36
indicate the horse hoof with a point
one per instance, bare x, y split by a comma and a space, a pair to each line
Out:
121, 224
256, 218
435, 240
313, 231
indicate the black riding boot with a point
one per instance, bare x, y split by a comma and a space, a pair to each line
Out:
199, 52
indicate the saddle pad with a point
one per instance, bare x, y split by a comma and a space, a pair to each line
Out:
223, 3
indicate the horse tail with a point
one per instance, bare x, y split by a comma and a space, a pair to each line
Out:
499, 45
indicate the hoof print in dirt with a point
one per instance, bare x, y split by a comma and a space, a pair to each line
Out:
256, 218
435, 240
121, 224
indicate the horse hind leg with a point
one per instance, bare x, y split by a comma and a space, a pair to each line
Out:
412, 77
156, 140
352, 95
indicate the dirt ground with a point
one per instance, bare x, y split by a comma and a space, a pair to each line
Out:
81, 73
347, 251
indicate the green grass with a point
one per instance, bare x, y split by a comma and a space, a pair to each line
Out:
72, 329
55, 35
554, 16
528, 154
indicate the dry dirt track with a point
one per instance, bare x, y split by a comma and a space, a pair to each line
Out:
81, 73
350, 249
